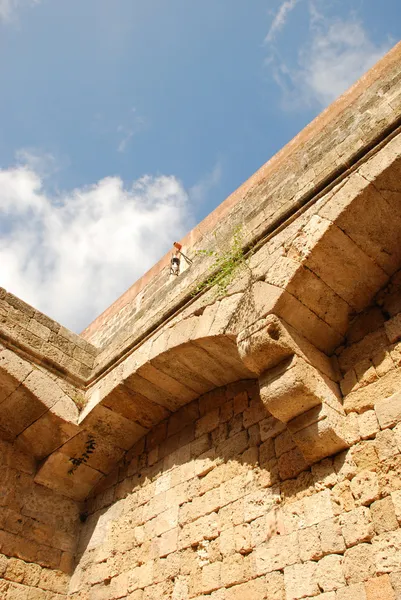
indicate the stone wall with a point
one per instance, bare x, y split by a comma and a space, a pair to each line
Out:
45, 340
246, 447
37, 532
218, 503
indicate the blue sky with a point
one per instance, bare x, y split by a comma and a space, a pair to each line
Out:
125, 122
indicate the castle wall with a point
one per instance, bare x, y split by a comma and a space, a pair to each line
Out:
37, 532
212, 496
218, 503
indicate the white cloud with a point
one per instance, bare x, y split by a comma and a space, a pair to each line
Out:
42, 163
338, 52
71, 254
9, 7
337, 56
280, 19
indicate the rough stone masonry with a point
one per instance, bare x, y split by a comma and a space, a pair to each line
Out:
246, 447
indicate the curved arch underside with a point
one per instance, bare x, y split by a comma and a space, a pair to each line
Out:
330, 263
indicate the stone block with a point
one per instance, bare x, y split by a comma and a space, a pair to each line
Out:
365, 487
301, 581
329, 573
291, 464
210, 577
275, 555
320, 432
395, 579
359, 563
283, 443
318, 508
366, 397
259, 503
357, 526
309, 544
270, 428
387, 552
141, 577
364, 456
207, 423
368, 424
294, 387
331, 538
393, 328
396, 499
383, 515
388, 411
234, 569
252, 590
352, 592
386, 444
379, 588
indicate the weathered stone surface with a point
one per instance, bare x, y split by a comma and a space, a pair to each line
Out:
294, 387
388, 411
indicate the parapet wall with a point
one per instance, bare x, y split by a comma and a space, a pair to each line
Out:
242, 446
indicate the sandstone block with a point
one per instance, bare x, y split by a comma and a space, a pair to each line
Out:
291, 464
329, 573
366, 397
283, 443
242, 539
356, 526
320, 432
395, 579
301, 581
351, 427
359, 563
270, 428
386, 444
368, 424
205, 528
15, 570
140, 577
210, 577
279, 552
396, 498
254, 413
309, 544
387, 552
365, 456
294, 387
389, 411
318, 508
207, 423
234, 570
383, 515
393, 328
379, 588
365, 487
349, 382
331, 537
252, 590
352, 592
259, 503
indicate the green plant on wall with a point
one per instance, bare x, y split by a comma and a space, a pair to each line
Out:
227, 265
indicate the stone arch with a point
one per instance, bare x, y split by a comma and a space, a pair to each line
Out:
346, 248
35, 412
